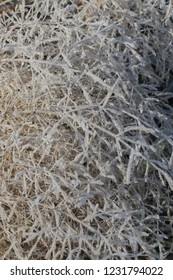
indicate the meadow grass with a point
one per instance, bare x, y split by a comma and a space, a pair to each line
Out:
86, 130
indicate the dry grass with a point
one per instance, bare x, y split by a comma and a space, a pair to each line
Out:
86, 130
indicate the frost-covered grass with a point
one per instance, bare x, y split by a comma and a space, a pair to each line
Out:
86, 130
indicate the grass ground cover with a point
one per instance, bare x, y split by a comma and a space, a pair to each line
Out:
86, 130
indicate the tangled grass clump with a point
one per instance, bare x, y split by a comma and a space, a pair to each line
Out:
86, 130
